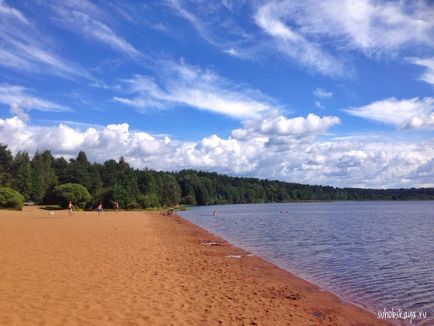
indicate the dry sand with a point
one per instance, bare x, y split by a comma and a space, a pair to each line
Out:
141, 268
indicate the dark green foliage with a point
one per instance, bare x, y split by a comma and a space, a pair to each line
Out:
149, 201
11, 199
78, 170
61, 166
117, 181
170, 191
44, 177
22, 171
74, 192
5, 165
188, 200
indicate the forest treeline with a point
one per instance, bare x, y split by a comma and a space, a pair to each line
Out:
37, 179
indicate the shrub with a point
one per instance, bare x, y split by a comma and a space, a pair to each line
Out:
11, 199
149, 201
188, 200
73, 192
132, 205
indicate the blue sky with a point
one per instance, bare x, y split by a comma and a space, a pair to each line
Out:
335, 92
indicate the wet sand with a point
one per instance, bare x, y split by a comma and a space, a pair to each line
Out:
142, 268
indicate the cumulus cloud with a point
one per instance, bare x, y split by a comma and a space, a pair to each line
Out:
362, 161
428, 63
179, 83
405, 114
281, 126
110, 141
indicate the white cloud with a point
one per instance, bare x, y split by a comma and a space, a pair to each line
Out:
322, 93
364, 24
22, 47
294, 44
406, 114
197, 24
213, 22
428, 63
319, 105
9, 11
233, 52
15, 110
198, 88
20, 98
298, 127
362, 161
305, 29
82, 15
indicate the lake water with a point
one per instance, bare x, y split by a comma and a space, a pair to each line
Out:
375, 254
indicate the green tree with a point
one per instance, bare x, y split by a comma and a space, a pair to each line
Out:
79, 171
22, 180
44, 176
170, 192
61, 167
149, 201
73, 192
5, 165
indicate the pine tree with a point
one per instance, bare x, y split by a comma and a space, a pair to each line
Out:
5, 166
44, 177
22, 181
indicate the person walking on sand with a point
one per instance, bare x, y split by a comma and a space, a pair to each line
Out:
116, 206
70, 208
99, 208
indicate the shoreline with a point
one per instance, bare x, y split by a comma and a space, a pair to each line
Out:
143, 268
291, 275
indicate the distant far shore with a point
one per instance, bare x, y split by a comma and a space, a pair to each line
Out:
48, 180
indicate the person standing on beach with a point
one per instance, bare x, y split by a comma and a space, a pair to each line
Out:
70, 208
116, 206
99, 208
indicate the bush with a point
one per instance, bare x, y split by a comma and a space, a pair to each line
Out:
76, 193
11, 199
132, 205
188, 200
149, 201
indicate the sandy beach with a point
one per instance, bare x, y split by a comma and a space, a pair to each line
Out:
142, 268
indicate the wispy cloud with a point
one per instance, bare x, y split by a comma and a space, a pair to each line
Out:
322, 93
405, 114
308, 30
368, 25
292, 43
9, 11
197, 24
20, 100
23, 48
428, 63
82, 16
215, 26
179, 83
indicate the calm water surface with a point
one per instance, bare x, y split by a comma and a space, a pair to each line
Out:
375, 254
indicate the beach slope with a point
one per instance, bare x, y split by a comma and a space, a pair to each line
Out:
141, 268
